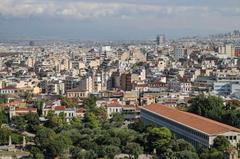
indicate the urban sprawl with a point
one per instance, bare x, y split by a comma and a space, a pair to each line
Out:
162, 98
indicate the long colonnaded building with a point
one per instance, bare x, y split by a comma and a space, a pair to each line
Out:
193, 128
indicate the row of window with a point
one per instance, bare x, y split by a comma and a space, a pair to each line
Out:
231, 137
6, 91
76, 94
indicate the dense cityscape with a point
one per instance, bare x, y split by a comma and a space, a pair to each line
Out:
141, 99
119, 79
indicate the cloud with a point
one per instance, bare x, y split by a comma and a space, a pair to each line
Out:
94, 9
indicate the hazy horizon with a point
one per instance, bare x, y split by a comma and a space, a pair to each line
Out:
115, 19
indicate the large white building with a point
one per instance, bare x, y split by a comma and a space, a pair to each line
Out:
193, 128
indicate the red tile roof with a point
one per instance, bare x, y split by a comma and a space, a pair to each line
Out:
193, 121
59, 108
8, 87
26, 109
114, 103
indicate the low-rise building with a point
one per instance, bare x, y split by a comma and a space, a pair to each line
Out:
196, 129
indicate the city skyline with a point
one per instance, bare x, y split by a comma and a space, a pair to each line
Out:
115, 20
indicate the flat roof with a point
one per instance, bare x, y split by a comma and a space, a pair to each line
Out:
190, 120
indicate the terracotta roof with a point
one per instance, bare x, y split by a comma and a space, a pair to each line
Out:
193, 121
114, 103
26, 109
8, 87
59, 108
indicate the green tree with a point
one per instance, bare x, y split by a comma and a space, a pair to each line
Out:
221, 143
91, 120
90, 103
3, 118
54, 121
79, 153
186, 155
111, 150
3, 99
133, 150
117, 120
125, 135
232, 117
44, 137
39, 105
137, 126
211, 154
32, 121
101, 113
4, 136
36, 153
59, 145
159, 138
68, 102
76, 123
208, 106
19, 122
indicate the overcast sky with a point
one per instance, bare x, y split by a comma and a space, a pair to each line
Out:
116, 19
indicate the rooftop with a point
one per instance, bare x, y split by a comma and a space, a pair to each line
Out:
193, 121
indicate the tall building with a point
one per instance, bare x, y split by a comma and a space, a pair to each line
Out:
230, 49
125, 81
237, 51
160, 40
115, 80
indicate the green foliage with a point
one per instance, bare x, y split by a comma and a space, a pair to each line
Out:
28, 122
221, 143
3, 99
211, 154
110, 151
91, 120
90, 103
125, 135
3, 118
117, 120
55, 122
213, 107
208, 106
39, 106
76, 123
79, 153
231, 117
133, 150
159, 138
59, 145
19, 122
4, 136
138, 126
36, 153
32, 121
186, 155
68, 102
51, 143
101, 113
